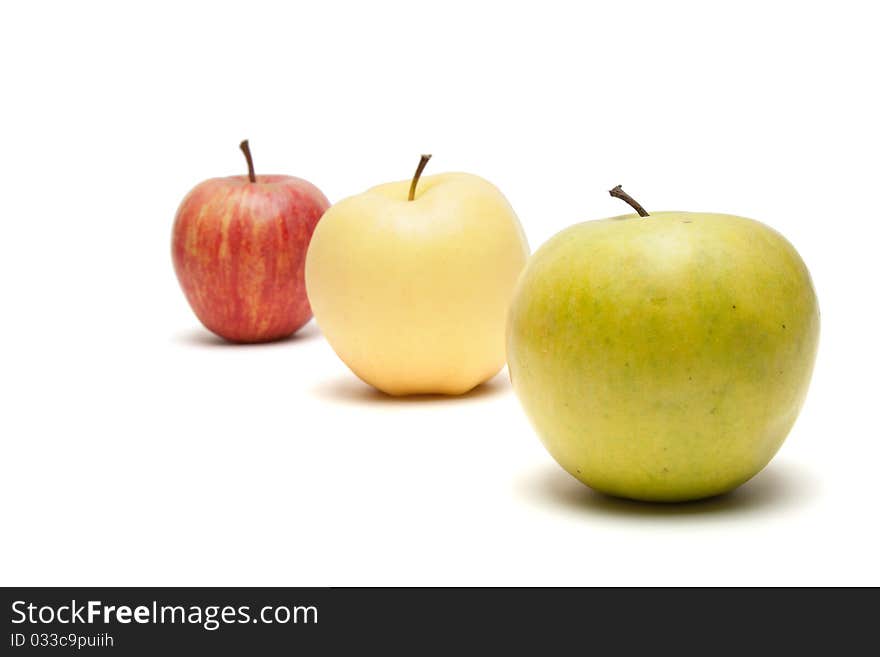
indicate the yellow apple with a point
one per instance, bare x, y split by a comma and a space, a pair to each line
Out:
663, 357
411, 281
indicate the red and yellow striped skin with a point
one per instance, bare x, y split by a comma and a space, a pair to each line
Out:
239, 251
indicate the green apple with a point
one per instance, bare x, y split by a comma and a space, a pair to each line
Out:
663, 357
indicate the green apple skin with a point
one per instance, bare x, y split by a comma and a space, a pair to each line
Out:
663, 358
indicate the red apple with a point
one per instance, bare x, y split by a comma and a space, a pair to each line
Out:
239, 249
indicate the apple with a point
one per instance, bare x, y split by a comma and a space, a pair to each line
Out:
239, 246
663, 357
410, 282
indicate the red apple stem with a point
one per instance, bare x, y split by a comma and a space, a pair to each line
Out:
618, 192
246, 149
415, 181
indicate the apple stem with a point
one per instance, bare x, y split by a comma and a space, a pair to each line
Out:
618, 192
246, 149
418, 174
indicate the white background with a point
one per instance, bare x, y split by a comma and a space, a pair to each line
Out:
138, 449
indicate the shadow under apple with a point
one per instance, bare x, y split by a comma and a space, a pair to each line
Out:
202, 337
350, 389
780, 485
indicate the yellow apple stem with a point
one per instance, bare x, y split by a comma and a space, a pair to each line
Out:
246, 149
415, 180
618, 192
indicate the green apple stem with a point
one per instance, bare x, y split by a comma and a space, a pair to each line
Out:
246, 149
418, 174
618, 192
